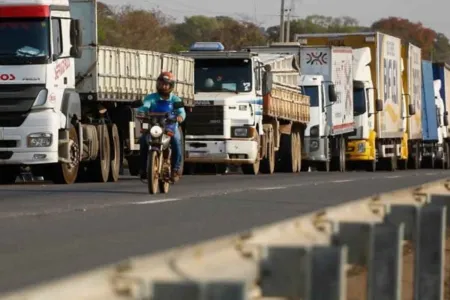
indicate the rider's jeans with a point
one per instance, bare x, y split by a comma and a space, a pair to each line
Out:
175, 144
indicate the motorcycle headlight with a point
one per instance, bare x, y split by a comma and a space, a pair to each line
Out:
156, 131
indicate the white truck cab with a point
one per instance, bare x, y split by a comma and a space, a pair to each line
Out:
37, 83
228, 106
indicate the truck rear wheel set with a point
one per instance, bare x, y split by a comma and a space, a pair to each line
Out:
106, 165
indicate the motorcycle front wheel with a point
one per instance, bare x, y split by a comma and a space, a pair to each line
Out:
152, 172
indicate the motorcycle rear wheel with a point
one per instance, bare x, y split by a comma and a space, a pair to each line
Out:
152, 172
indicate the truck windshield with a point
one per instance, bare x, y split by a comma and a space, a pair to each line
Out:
313, 93
223, 75
24, 41
359, 99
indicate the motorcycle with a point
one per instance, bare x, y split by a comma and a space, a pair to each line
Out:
159, 128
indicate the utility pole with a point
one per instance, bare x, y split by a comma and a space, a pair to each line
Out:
288, 27
291, 10
282, 22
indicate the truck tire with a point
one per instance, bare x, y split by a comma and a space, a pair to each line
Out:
415, 161
253, 169
115, 153
67, 173
286, 157
133, 164
101, 166
299, 152
268, 162
339, 162
393, 164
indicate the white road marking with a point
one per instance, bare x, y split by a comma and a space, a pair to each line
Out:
156, 201
271, 188
394, 176
344, 180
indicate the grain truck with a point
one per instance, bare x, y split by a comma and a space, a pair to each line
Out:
381, 114
412, 93
435, 148
65, 101
248, 110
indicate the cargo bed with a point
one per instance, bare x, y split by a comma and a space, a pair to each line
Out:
120, 74
286, 103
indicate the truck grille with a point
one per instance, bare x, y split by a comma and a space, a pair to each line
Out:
205, 120
16, 101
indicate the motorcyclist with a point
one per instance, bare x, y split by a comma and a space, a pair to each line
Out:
164, 86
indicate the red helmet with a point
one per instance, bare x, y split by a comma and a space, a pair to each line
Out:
165, 83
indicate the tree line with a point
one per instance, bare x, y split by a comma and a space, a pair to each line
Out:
142, 29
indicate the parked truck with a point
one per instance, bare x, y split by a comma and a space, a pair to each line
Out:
248, 110
327, 78
435, 148
441, 75
65, 101
412, 93
382, 115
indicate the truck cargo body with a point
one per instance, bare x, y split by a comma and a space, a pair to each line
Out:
82, 122
327, 78
244, 105
387, 133
412, 82
433, 113
441, 71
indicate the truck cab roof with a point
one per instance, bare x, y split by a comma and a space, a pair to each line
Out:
34, 2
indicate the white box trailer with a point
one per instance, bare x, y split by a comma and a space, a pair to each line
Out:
335, 65
389, 87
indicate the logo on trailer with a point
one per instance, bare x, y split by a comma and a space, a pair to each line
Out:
7, 77
319, 58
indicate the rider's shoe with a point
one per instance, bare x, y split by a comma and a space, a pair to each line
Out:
175, 175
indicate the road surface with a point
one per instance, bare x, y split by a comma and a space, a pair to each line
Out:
49, 231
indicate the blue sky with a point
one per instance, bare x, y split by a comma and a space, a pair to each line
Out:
266, 12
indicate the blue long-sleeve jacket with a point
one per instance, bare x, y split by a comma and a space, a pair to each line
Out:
151, 102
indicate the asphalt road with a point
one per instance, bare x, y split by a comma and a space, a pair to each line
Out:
49, 231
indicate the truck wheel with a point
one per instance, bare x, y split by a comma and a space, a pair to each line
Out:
268, 163
253, 169
66, 173
115, 153
101, 166
8, 175
299, 152
393, 163
342, 158
133, 164
447, 155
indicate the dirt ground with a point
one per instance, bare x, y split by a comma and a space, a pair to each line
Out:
356, 281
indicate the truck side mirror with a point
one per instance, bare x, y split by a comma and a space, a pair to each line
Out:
332, 93
75, 38
411, 109
379, 105
266, 83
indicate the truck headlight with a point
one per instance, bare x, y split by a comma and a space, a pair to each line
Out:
41, 98
314, 131
40, 139
239, 132
156, 131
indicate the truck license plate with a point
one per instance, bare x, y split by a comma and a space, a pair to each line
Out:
198, 154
